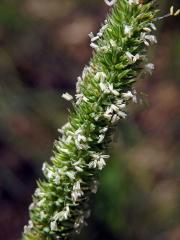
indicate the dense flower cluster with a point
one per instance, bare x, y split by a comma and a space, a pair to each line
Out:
60, 203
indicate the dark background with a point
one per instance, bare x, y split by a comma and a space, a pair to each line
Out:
43, 48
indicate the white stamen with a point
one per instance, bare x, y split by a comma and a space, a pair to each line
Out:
71, 174
149, 67
91, 35
146, 29
104, 130
85, 71
98, 161
80, 98
94, 46
53, 226
100, 76
128, 95
128, 30
101, 138
31, 206
134, 98
108, 88
94, 39
49, 174
80, 140
79, 222
152, 25
62, 130
39, 193
146, 37
79, 169
133, 2
172, 10
28, 227
132, 58
112, 90
44, 167
115, 118
77, 192
120, 104
110, 2
63, 215
122, 114
78, 84
67, 96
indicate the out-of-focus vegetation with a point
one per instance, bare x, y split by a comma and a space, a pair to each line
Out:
43, 48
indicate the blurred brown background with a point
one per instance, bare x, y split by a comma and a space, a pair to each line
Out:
43, 48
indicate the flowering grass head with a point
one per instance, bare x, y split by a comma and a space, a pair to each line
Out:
60, 205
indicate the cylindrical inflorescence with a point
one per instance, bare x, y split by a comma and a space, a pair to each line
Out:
61, 202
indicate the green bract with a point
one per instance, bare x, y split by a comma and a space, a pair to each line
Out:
60, 203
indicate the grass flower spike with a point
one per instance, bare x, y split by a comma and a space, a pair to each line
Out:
61, 202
